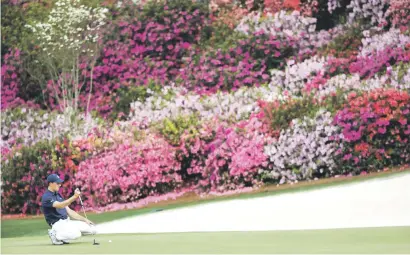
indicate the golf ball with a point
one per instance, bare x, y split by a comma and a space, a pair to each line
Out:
109, 241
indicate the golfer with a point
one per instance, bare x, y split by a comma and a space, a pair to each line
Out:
58, 214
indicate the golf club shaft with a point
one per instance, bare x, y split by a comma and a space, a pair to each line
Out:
82, 205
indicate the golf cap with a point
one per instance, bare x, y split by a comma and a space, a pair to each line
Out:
54, 178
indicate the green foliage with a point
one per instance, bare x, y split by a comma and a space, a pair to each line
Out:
346, 44
402, 70
124, 96
13, 20
220, 36
16, 35
281, 116
158, 10
26, 168
335, 102
15, 114
19, 164
172, 129
15, 17
258, 5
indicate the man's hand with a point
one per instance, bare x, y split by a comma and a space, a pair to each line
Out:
67, 202
89, 222
77, 193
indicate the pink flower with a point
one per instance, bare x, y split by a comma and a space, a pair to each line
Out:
381, 130
347, 156
185, 45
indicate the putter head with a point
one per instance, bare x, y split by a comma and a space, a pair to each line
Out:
96, 243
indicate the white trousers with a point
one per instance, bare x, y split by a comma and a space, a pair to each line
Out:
72, 229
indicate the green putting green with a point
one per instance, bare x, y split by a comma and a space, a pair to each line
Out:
363, 240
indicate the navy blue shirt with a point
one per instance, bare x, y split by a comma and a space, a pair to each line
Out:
51, 213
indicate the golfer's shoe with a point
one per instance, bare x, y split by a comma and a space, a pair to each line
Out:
54, 240
65, 241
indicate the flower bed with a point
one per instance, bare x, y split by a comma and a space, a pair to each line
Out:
203, 100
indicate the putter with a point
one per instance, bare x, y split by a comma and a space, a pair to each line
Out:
82, 205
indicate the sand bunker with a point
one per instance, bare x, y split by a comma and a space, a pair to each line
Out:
372, 203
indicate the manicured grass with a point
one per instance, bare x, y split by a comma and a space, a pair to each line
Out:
362, 240
37, 225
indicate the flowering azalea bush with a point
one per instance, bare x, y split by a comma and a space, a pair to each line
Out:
270, 49
345, 45
307, 77
303, 151
172, 102
267, 6
310, 8
379, 41
378, 61
278, 24
284, 24
218, 157
128, 172
374, 11
222, 71
244, 65
229, 14
399, 13
10, 81
293, 79
398, 77
145, 50
375, 130
235, 156
28, 126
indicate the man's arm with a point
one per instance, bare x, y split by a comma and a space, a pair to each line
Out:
65, 203
73, 214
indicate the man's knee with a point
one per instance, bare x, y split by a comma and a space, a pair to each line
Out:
68, 235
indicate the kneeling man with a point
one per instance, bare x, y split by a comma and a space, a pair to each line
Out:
58, 214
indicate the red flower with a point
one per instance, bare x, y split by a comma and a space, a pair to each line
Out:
292, 4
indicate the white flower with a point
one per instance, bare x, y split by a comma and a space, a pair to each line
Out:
67, 22
295, 76
379, 41
305, 147
368, 8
